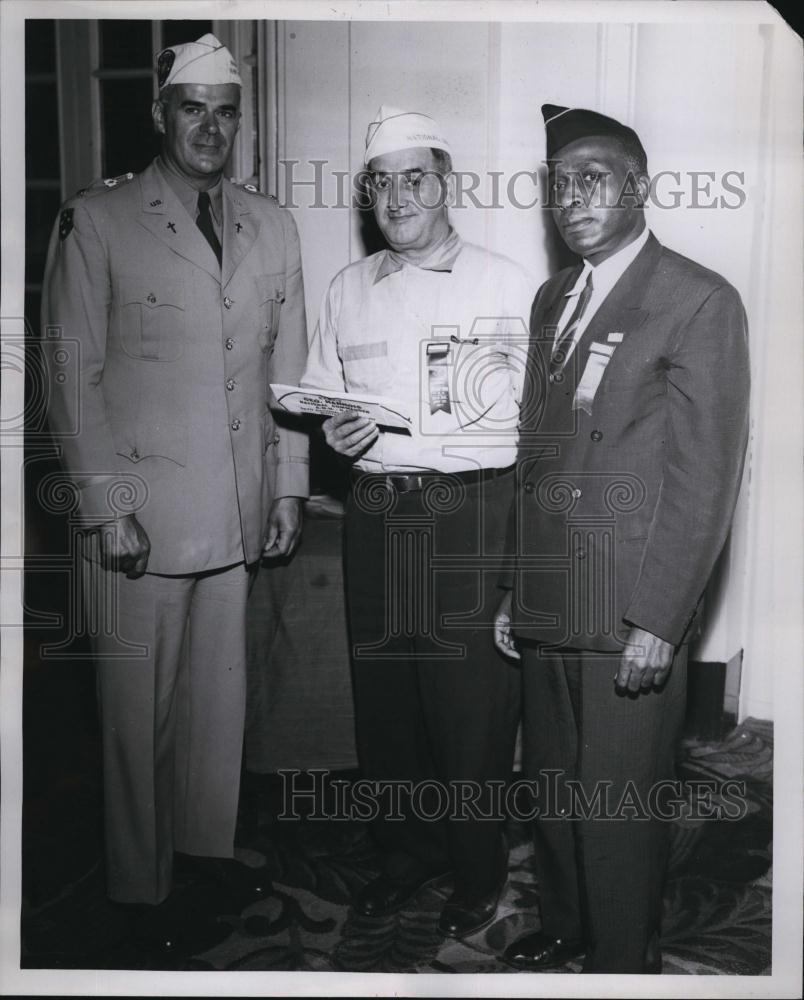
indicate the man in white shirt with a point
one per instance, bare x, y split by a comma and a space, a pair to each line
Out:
439, 325
628, 477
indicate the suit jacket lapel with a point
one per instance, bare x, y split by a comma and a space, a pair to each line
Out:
164, 216
240, 230
621, 310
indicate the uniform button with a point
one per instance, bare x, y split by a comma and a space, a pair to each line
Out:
229, 343
135, 454
227, 302
235, 424
576, 493
528, 487
151, 297
276, 439
596, 435
230, 384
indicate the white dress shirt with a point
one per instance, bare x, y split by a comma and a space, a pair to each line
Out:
377, 319
604, 277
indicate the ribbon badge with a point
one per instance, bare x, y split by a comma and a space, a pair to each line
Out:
599, 357
439, 355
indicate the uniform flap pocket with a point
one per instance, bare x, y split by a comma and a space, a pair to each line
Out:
270, 287
151, 292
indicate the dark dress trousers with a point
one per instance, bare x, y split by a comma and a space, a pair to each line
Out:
620, 514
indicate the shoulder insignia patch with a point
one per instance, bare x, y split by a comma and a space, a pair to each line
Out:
65, 223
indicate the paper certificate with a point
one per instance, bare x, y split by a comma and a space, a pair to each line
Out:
328, 403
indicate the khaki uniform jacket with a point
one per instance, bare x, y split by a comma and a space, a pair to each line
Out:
160, 363
621, 512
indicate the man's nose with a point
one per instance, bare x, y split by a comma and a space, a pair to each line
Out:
209, 122
568, 195
398, 197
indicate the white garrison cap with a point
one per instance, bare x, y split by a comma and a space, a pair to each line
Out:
203, 61
394, 129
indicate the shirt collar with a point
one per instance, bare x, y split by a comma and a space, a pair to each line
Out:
608, 272
187, 194
441, 258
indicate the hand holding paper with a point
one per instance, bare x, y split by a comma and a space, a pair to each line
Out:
350, 435
328, 403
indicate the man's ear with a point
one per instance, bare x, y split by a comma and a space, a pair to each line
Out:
643, 186
158, 116
450, 189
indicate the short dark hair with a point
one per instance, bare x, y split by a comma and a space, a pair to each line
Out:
442, 160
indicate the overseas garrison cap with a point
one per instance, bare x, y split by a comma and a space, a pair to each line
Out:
203, 61
394, 129
565, 125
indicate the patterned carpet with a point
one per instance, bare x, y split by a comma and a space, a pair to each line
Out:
717, 907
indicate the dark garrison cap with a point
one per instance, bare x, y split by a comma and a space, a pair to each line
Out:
565, 125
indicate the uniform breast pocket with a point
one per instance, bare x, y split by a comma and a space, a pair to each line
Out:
270, 296
152, 322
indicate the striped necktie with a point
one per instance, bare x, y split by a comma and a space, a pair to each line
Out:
558, 357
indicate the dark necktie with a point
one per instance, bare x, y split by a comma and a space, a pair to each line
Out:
204, 223
558, 358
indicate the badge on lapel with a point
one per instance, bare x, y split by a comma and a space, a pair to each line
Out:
599, 357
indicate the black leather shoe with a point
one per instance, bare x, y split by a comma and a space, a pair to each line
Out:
540, 951
244, 883
172, 929
460, 918
386, 895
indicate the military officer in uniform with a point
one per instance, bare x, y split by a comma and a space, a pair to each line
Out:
183, 294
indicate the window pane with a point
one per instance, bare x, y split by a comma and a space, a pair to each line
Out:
41, 131
125, 44
178, 32
41, 209
129, 140
40, 47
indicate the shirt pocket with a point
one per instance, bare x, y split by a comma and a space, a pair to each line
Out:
270, 296
366, 367
152, 323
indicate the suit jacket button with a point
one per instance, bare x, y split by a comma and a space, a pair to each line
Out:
276, 439
528, 487
227, 302
229, 343
230, 384
135, 454
151, 297
596, 435
235, 424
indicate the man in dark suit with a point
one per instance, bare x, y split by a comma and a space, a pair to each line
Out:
629, 466
184, 293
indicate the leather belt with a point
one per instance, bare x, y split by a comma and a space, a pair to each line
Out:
411, 482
